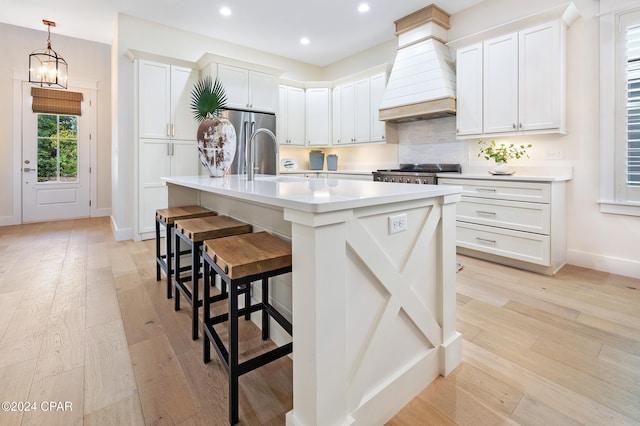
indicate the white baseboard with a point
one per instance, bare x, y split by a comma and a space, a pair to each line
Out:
121, 234
613, 265
101, 213
9, 220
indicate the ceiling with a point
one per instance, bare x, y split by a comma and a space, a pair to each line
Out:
335, 28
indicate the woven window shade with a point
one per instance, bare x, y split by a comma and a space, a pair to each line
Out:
56, 101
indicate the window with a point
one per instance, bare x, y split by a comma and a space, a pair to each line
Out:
57, 148
620, 107
632, 50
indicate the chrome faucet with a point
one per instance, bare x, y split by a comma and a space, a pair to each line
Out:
251, 151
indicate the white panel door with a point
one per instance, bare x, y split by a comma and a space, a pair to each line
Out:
363, 110
539, 67
236, 85
347, 113
262, 92
469, 90
296, 132
55, 162
183, 125
155, 163
318, 116
154, 97
501, 84
335, 115
378, 84
184, 158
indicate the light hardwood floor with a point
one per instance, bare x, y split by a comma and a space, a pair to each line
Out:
84, 322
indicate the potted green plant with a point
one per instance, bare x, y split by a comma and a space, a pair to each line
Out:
216, 135
501, 154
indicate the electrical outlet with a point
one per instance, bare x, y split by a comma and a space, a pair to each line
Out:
397, 223
554, 154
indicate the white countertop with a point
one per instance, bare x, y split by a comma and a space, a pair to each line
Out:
344, 172
531, 174
311, 194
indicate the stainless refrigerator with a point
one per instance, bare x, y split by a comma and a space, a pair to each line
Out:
245, 123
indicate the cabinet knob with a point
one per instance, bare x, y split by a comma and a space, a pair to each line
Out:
520, 125
514, 125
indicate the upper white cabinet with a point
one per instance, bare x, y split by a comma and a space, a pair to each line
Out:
501, 84
317, 116
164, 101
514, 83
356, 105
541, 67
378, 85
469, 90
291, 116
247, 89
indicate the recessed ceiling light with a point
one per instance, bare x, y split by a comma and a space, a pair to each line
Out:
363, 8
304, 41
225, 11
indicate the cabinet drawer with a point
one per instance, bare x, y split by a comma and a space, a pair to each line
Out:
520, 216
502, 190
524, 246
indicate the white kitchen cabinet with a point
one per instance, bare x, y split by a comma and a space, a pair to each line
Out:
515, 222
518, 78
347, 113
362, 110
247, 89
355, 114
378, 85
336, 99
469, 90
164, 101
541, 76
318, 116
501, 84
167, 143
291, 126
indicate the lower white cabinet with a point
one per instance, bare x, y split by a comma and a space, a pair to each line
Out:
515, 222
161, 158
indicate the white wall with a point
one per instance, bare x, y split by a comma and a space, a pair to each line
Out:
88, 62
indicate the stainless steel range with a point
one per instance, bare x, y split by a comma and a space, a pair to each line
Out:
415, 173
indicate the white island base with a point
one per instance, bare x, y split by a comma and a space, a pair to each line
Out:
373, 312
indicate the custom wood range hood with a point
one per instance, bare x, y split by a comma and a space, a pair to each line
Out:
422, 83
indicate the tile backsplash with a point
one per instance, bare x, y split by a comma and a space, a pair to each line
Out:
431, 141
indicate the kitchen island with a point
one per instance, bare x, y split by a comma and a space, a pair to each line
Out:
372, 295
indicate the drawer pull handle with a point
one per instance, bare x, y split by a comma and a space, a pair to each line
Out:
486, 212
485, 240
486, 190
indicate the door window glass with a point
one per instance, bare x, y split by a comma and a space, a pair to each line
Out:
57, 148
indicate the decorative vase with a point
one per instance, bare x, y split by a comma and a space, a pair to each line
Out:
216, 144
501, 168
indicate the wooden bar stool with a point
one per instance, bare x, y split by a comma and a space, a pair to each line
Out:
193, 232
240, 260
166, 218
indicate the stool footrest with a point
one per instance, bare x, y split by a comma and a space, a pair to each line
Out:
185, 290
265, 358
250, 364
280, 319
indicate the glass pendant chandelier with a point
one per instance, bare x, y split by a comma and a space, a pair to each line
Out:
46, 67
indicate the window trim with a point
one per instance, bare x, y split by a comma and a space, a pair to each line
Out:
610, 12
